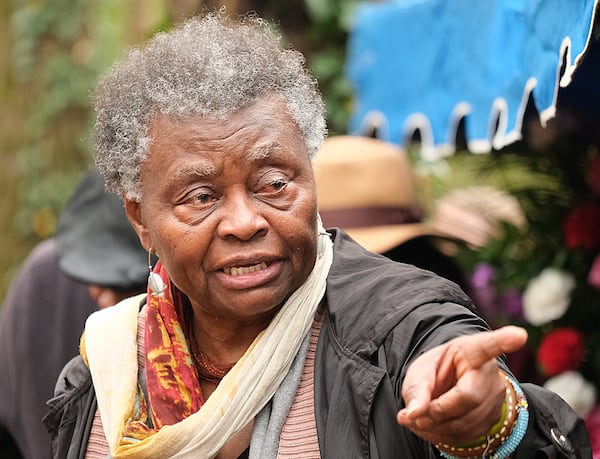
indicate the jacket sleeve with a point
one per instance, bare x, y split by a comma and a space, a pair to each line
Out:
554, 429
71, 411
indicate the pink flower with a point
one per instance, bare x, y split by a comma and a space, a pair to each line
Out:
594, 274
592, 422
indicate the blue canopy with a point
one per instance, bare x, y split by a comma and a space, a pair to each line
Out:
425, 64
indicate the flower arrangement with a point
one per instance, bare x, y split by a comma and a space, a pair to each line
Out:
545, 276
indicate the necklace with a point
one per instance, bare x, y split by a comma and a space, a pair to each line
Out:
205, 368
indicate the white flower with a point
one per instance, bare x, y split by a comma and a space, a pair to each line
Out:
575, 390
547, 296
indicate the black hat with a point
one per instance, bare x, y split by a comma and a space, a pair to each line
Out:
95, 242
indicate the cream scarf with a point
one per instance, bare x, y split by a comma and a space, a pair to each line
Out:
111, 349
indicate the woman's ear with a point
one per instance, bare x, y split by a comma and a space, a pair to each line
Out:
133, 209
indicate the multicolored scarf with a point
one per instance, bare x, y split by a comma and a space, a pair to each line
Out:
172, 384
178, 422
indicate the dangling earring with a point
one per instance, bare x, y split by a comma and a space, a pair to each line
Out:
155, 282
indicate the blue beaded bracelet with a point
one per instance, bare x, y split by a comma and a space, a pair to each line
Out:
512, 442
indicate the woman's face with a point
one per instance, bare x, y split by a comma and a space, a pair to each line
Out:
230, 208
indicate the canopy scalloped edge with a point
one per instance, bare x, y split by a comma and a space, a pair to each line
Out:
481, 61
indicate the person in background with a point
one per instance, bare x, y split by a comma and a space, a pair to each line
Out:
93, 261
367, 187
97, 246
261, 334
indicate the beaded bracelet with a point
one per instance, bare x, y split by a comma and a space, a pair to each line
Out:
485, 440
511, 444
497, 434
508, 444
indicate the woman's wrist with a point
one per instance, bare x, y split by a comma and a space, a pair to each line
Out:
502, 439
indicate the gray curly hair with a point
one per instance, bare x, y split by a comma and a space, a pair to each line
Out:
209, 66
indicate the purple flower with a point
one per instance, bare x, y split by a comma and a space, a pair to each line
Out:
483, 275
483, 290
512, 304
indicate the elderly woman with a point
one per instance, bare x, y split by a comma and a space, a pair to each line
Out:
262, 335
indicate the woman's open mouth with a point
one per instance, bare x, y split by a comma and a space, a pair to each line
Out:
241, 270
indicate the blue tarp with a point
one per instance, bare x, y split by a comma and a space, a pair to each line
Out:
425, 64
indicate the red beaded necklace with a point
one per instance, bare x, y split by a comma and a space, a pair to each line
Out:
206, 368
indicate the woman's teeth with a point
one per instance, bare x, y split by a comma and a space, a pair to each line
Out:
238, 271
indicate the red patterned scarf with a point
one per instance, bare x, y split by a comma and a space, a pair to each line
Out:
172, 383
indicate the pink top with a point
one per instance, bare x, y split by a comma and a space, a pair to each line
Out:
299, 433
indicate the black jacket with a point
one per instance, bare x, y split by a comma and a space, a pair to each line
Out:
40, 325
380, 316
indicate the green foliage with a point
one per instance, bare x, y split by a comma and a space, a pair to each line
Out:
55, 50
60, 48
330, 22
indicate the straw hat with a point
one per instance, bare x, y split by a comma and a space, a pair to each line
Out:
366, 187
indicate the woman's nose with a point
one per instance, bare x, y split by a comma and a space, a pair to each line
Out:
242, 218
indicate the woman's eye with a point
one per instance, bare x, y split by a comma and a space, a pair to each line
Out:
278, 184
201, 196
273, 187
272, 182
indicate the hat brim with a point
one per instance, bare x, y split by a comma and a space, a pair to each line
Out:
380, 239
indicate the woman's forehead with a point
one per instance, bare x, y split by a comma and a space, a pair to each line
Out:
261, 130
